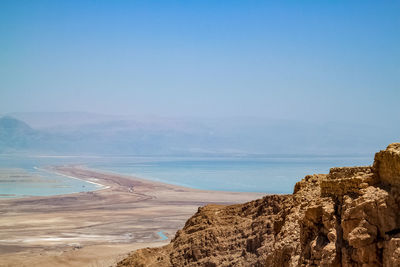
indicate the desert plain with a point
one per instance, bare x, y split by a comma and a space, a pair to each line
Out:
101, 227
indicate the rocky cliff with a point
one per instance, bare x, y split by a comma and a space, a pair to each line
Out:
349, 217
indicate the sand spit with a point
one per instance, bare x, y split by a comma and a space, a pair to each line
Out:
346, 218
98, 228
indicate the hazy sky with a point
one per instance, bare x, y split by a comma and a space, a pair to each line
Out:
333, 60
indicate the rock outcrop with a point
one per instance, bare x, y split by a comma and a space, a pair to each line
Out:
349, 217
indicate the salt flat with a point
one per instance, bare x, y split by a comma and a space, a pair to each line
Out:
98, 228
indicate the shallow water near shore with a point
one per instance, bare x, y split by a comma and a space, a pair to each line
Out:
19, 177
34, 182
266, 175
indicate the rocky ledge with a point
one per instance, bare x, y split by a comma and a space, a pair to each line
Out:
349, 217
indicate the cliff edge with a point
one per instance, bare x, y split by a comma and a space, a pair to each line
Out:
349, 217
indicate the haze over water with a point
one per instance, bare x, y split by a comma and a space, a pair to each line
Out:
204, 78
267, 175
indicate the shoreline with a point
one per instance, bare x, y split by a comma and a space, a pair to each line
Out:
71, 177
128, 212
52, 170
49, 171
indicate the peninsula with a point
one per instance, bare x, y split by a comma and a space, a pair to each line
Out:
349, 217
98, 228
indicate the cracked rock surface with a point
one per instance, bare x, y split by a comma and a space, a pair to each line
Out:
349, 217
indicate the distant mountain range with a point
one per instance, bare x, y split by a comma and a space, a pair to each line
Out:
86, 133
15, 133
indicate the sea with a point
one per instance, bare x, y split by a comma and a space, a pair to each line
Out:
22, 176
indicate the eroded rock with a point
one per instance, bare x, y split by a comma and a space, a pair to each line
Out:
387, 164
349, 217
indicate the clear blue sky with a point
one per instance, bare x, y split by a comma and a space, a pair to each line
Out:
319, 60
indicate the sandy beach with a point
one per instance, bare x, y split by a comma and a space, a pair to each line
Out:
98, 228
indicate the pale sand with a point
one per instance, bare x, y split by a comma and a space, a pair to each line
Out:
98, 228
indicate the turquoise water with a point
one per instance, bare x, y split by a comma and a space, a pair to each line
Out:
243, 174
163, 237
267, 175
19, 177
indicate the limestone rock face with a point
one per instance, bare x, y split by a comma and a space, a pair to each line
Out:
349, 217
387, 164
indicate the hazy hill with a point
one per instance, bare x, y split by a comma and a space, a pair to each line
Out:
102, 134
15, 134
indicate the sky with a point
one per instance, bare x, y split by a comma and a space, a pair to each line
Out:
302, 60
